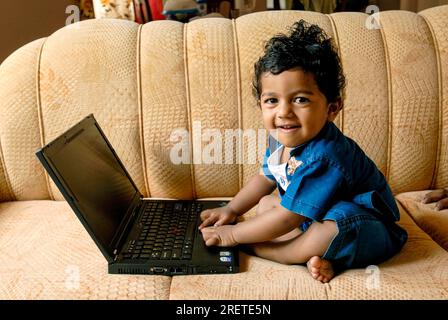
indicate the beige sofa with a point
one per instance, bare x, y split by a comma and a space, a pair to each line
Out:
144, 82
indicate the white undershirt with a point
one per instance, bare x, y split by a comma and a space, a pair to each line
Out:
277, 169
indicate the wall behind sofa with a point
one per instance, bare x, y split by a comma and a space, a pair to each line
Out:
25, 21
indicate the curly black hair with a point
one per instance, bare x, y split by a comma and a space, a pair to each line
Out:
309, 49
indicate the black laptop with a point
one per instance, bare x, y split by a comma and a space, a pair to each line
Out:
135, 235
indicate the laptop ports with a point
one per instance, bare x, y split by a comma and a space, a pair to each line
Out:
177, 271
158, 270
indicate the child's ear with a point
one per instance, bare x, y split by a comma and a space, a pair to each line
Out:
334, 108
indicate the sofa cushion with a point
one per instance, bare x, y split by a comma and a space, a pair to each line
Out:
47, 254
417, 272
433, 222
258, 279
46, 251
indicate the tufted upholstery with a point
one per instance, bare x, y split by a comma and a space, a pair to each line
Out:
144, 82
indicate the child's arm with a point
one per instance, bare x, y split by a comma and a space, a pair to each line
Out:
257, 187
267, 226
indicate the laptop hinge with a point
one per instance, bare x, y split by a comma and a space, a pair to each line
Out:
125, 230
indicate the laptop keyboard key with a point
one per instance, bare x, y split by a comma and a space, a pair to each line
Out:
156, 254
176, 254
168, 231
166, 254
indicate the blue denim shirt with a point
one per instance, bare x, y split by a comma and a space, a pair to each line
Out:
333, 168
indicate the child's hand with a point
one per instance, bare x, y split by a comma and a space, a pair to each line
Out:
217, 217
219, 236
440, 196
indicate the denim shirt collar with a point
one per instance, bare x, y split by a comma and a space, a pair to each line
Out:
327, 128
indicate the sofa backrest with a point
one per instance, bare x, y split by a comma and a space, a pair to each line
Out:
154, 86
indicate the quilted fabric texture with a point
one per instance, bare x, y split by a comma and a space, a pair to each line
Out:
163, 102
197, 80
163, 85
95, 74
436, 20
49, 255
19, 131
433, 222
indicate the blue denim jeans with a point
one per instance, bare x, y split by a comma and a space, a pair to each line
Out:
364, 237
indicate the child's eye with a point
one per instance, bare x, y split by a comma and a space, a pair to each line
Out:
301, 100
270, 101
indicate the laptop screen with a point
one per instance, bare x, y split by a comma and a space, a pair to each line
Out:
93, 175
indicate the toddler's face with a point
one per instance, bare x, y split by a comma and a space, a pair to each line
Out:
294, 109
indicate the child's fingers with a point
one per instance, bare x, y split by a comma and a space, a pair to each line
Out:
222, 221
210, 238
212, 241
433, 196
442, 204
209, 221
205, 214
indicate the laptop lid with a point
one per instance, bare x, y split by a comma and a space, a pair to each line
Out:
92, 179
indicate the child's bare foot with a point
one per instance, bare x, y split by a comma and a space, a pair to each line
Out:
320, 269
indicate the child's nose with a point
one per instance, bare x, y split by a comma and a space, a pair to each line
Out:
284, 109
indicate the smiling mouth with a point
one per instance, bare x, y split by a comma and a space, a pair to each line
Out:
288, 128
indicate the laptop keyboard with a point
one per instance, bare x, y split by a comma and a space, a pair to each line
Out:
167, 233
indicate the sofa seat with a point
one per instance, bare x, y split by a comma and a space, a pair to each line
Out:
433, 222
36, 264
417, 272
47, 254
